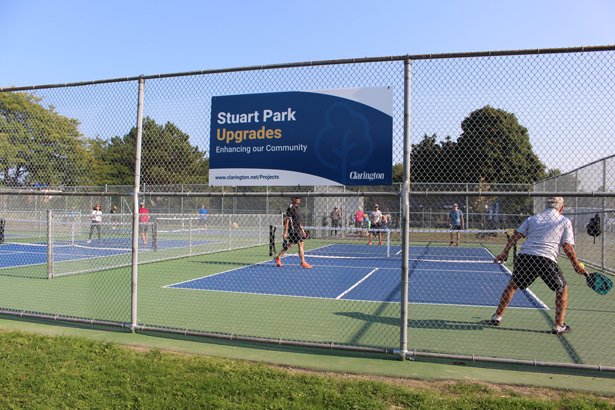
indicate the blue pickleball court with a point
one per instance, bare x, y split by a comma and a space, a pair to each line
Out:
17, 254
438, 275
25, 254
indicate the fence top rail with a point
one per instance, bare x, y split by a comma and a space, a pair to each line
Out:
324, 62
261, 194
605, 159
347, 194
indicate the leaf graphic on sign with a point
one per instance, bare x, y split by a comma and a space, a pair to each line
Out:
345, 141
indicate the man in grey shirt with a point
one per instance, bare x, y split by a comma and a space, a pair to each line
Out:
545, 232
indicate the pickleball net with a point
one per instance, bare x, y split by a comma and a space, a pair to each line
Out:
384, 245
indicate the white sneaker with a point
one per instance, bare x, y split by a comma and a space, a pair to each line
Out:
495, 320
89, 241
560, 330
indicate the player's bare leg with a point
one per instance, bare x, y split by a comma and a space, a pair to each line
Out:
304, 264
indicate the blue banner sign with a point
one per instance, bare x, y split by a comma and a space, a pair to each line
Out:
330, 137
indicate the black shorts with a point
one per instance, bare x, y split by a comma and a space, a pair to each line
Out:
529, 267
456, 227
143, 228
292, 238
376, 228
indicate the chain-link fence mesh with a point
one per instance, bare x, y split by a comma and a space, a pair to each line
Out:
491, 137
595, 177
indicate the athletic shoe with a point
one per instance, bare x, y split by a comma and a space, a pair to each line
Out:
495, 320
277, 261
306, 265
88, 241
369, 243
380, 243
560, 330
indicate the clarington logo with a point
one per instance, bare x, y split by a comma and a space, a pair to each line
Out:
370, 176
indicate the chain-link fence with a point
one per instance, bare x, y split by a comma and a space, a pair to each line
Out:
479, 142
595, 246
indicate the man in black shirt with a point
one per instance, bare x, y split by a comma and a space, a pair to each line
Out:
293, 233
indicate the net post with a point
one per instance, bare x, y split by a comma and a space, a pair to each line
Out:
514, 248
190, 236
230, 232
73, 228
154, 234
603, 249
49, 245
272, 240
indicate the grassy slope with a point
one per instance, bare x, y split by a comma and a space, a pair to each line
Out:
68, 372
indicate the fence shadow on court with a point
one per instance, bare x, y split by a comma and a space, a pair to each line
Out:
435, 324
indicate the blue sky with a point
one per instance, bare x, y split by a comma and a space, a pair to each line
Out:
62, 41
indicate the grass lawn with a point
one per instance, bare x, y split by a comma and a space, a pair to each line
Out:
71, 372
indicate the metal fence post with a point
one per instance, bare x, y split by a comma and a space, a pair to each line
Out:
49, 245
135, 208
405, 254
467, 208
604, 215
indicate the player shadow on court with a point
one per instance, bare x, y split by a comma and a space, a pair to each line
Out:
435, 324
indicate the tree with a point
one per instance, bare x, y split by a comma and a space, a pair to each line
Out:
102, 171
398, 173
167, 157
492, 149
38, 145
426, 160
495, 148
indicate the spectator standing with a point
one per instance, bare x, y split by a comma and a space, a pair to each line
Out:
375, 219
455, 223
143, 222
386, 220
358, 218
113, 213
336, 219
96, 222
203, 214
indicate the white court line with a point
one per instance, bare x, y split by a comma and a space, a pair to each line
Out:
341, 295
456, 261
174, 285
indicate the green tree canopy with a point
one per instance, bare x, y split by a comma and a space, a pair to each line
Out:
38, 145
167, 157
493, 148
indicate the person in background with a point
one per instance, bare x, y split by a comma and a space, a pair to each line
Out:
96, 222
545, 233
375, 219
336, 219
113, 212
203, 214
386, 220
358, 218
143, 222
293, 233
455, 223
